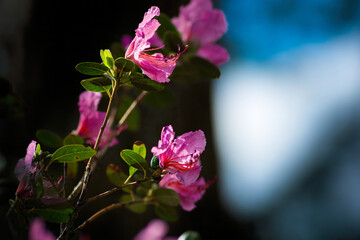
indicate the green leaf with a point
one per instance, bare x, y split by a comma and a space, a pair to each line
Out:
97, 84
147, 84
107, 58
72, 169
161, 99
38, 150
73, 139
185, 73
133, 159
91, 68
49, 138
136, 208
190, 235
115, 175
132, 171
54, 215
166, 26
72, 153
205, 68
173, 42
166, 196
154, 163
133, 120
166, 212
124, 64
139, 148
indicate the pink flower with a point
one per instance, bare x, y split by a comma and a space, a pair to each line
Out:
38, 231
91, 119
200, 23
155, 230
189, 194
28, 174
179, 156
156, 66
25, 172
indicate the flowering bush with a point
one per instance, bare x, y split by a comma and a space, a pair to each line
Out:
168, 178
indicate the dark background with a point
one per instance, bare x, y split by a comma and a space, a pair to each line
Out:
42, 41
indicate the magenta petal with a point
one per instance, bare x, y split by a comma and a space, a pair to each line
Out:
189, 15
195, 9
189, 142
155, 230
20, 169
210, 27
190, 176
149, 15
155, 70
88, 103
126, 40
189, 194
156, 41
29, 156
38, 231
167, 136
214, 53
89, 127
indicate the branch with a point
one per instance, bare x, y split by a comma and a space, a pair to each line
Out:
103, 150
101, 195
88, 171
109, 208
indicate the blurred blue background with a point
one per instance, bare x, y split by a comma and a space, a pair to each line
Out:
287, 120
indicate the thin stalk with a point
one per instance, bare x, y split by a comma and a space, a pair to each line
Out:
64, 234
103, 150
109, 208
101, 195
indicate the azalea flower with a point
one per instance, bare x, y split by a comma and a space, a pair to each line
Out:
156, 66
201, 23
155, 230
26, 173
91, 119
38, 231
179, 156
189, 194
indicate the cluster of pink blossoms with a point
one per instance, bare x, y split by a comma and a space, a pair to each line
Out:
197, 22
200, 23
180, 158
91, 119
156, 66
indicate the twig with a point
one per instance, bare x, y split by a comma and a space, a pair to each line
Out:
101, 195
64, 234
103, 150
109, 208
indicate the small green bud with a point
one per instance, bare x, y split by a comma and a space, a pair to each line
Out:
154, 163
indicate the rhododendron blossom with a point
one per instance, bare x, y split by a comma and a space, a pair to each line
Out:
38, 231
26, 173
180, 156
155, 230
156, 66
189, 194
201, 23
91, 119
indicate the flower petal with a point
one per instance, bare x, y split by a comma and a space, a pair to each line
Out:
88, 103
189, 142
210, 27
38, 231
214, 53
155, 230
